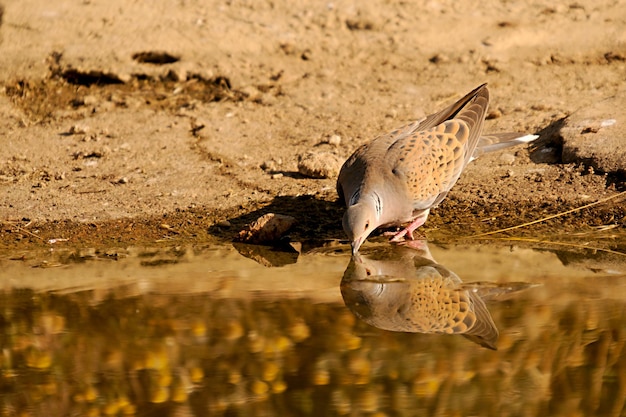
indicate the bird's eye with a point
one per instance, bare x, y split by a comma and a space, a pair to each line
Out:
367, 225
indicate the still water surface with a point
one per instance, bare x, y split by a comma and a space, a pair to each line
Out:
224, 331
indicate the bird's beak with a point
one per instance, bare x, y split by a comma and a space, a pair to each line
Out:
356, 244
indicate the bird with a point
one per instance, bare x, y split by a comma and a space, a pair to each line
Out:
398, 177
400, 289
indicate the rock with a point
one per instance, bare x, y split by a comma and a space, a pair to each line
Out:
319, 165
596, 135
266, 229
360, 23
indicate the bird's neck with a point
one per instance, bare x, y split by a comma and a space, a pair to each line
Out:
386, 209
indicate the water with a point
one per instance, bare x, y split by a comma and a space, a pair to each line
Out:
206, 331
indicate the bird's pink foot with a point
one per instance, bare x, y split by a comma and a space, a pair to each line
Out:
407, 232
404, 233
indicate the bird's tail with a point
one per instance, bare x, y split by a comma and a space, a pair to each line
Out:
498, 141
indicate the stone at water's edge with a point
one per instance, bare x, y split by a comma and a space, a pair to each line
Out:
596, 135
267, 229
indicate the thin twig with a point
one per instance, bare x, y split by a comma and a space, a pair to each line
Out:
21, 229
604, 200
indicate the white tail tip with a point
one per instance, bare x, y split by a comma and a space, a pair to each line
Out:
526, 139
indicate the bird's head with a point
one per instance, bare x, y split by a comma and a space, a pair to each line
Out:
359, 221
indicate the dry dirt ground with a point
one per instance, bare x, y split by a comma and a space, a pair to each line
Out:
128, 121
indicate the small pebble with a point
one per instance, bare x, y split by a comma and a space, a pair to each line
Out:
494, 114
181, 73
224, 223
608, 122
334, 140
507, 159
78, 129
267, 99
271, 165
288, 48
251, 92
306, 55
90, 100
319, 165
439, 59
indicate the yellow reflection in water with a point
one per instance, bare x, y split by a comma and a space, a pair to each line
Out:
122, 350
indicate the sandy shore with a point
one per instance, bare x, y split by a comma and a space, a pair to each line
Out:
131, 121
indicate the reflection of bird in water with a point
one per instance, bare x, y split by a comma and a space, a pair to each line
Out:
405, 290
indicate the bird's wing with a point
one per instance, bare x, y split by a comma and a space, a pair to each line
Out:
430, 161
484, 330
453, 110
